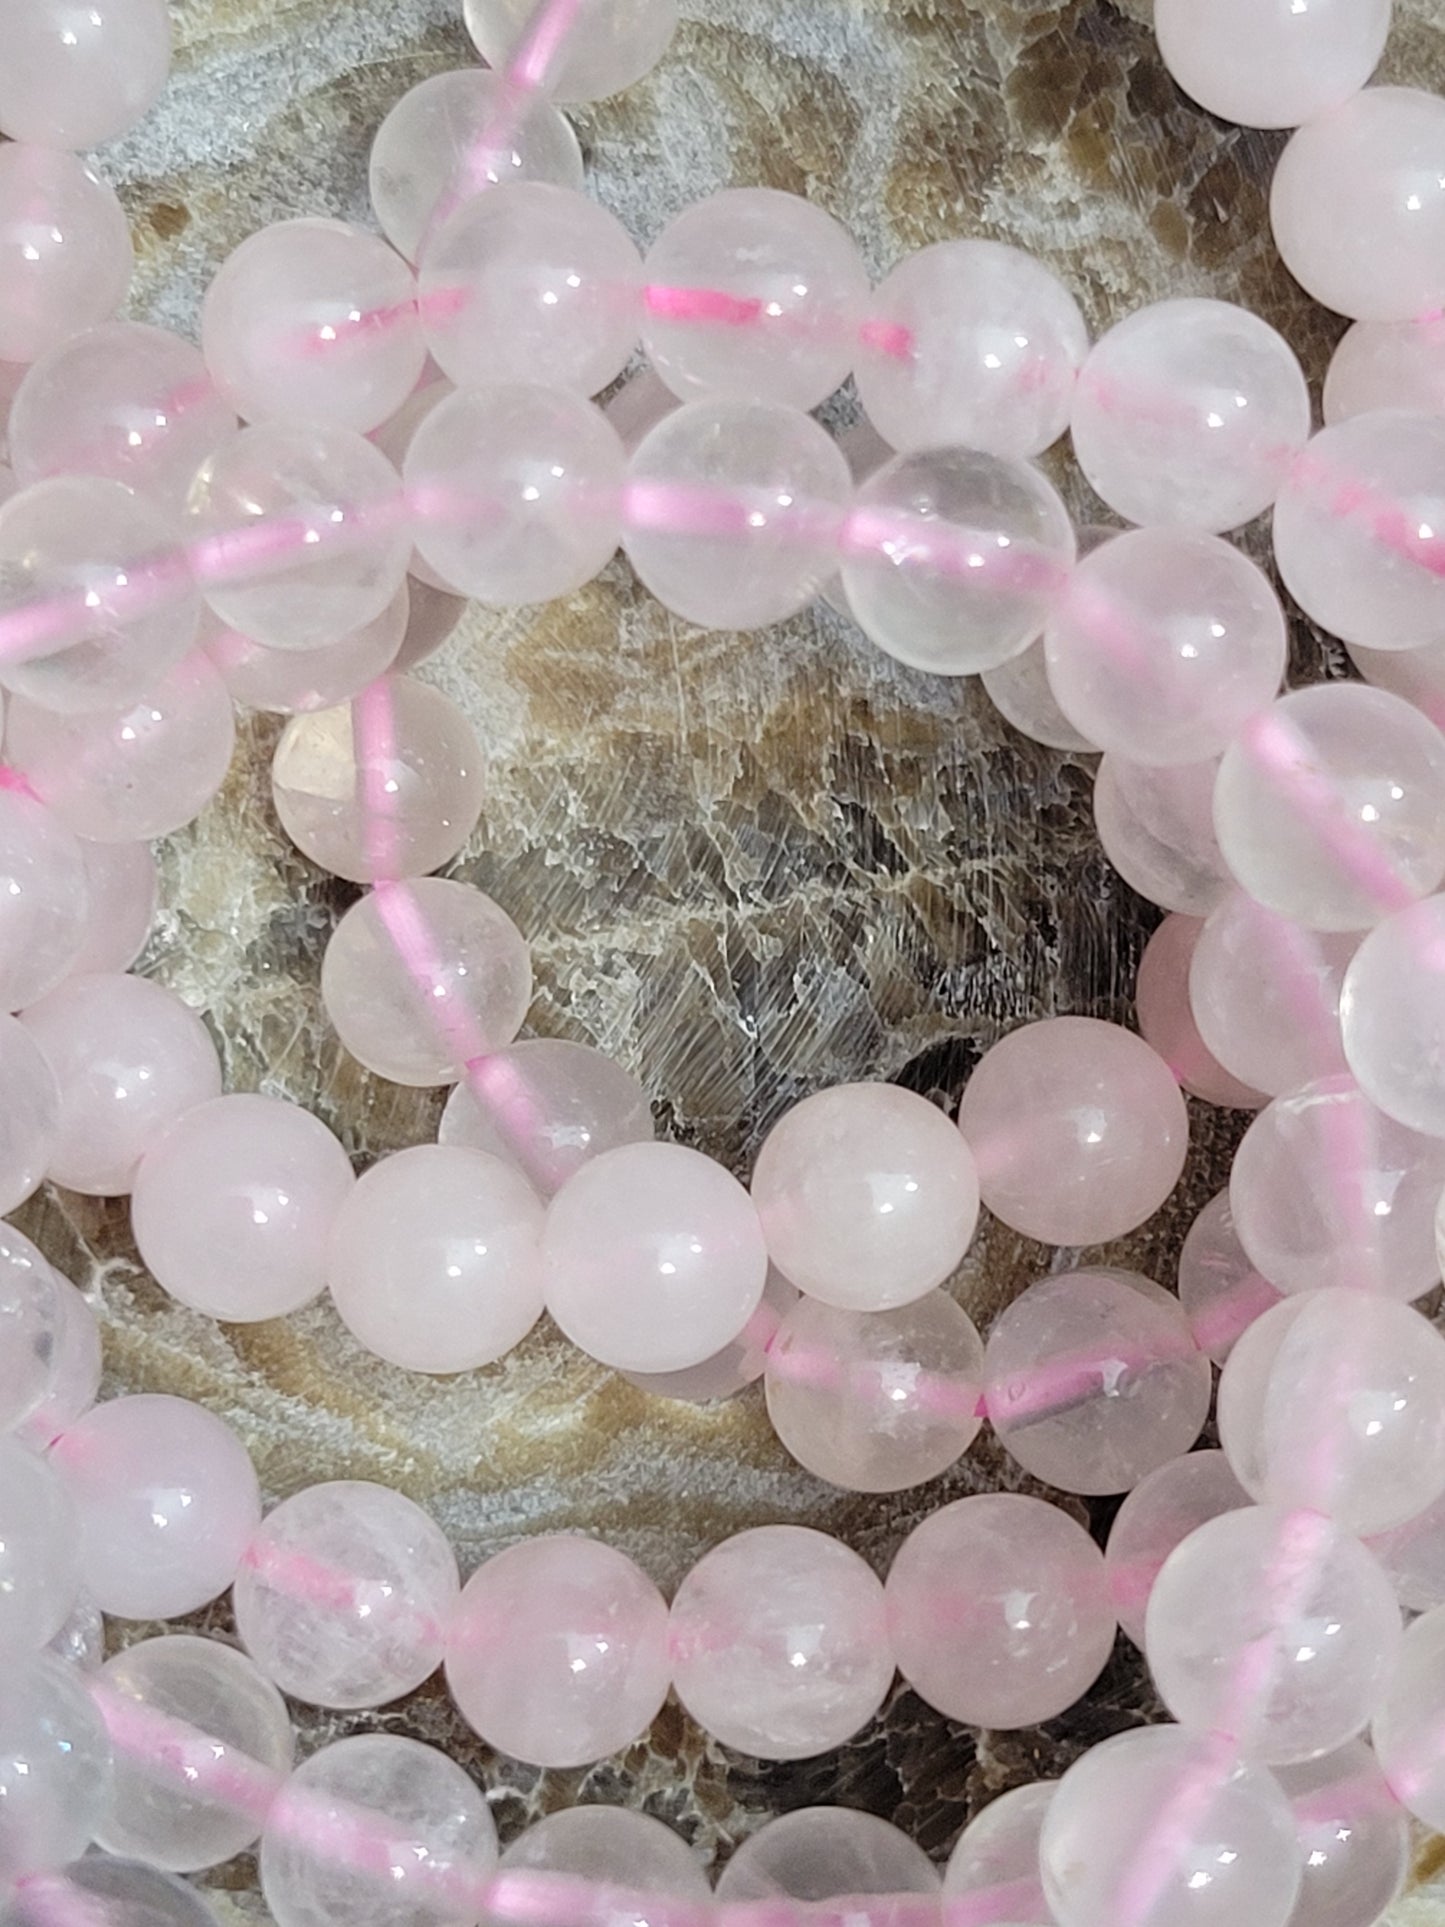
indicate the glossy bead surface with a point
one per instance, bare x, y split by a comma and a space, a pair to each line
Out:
121, 892
1413, 1556
107, 1892
740, 1363
612, 1847
30, 1119
55, 1764
1270, 63
1019, 690
1158, 1514
1166, 1021
73, 1379
996, 1861
1387, 364
65, 249
547, 1107
1219, 1288
1406, 1729
1354, 1838
821, 1853
611, 44
78, 73
39, 1556
30, 1326
1393, 1012
1157, 829
44, 899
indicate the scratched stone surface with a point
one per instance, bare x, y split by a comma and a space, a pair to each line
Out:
749, 865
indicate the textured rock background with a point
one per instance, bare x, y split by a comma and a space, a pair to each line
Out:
750, 865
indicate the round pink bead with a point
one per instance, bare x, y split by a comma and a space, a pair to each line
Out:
1158, 1514
435, 1259
1387, 364
1157, 829
168, 1503
1417, 676
738, 1364
1078, 1130
612, 1847
824, 1853
293, 682
653, 1258
1406, 1730
44, 898
1019, 690
557, 1654
1271, 63
1358, 205
30, 1120
996, 1862
1354, 1838
778, 1643
30, 1326
110, 1892
234, 1204
78, 73
1413, 1556
40, 1556
609, 44
73, 1379
1166, 1022
1220, 1290
1393, 1013
998, 1611
65, 248
121, 891
55, 1768
394, 438
876, 1401
867, 1196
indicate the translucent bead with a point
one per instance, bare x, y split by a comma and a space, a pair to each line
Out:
129, 1058
1330, 806
557, 1654
39, 1557
547, 1107
1092, 1380
739, 1364
233, 1205
43, 899
867, 1196
1291, 1656
1153, 1827
377, 1831
1158, 1514
1157, 829
1393, 1012
124, 401
611, 1847
988, 544
1417, 676
823, 1853
1387, 364
733, 510
527, 278
65, 248
996, 1862
876, 1401
1188, 414
77, 75
174, 1813
1220, 1290
1269, 63
998, 1611
778, 1643
1327, 1190
30, 1119
755, 295
1019, 690
294, 682
344, 1594
435, 1259
610, 43
387, 786
54, 1768
73, 1380
168, 1502
1358, 209
1166, 1022
1354, 1838
521, 487
31, 1322
121, 892
81, 1640
1078, 1130
1413, 1556
653, 1258
439, 146
105, 1892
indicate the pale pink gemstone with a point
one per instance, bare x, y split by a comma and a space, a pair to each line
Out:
31, 1321
433, 620
1162, 1510
102, 1889
996, 1862
1354, 1838
1393, 1012
609, 45
1358, 205
387, 786
999, 1611
653, 1258
73, 1380
1019, 690
135, 771
825, 1853
234, 1204
79, 72
1092, 1380
557, 1654
1167, 1024
344, 1594
867, 1196
1078, 1130
39, 1553
55, 1768
30, 1118
129, 1058
420, 979
1275, 1628
1271, 63
1387, 364
1220, 1290
1417, 676
121, 892
65, 248
44, 899
292, 681
876, 1401
435, 1259
1413, 1555
81, 1640
394, 438
1406, 1729
168, 1503
611, 1847
1157, 829
778, 1643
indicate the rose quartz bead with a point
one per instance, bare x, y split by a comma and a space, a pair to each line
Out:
168, 1503
1358, 207
435, 1259
824, 1853
531, 278
139, 770
294, 682
996, 1862
1019, 690
1406, 1729
39, 1555
131, 403
1166, 1022
1290, 1657
867, 1196
521, 486
439, 146
876, 1401
160, 1811
1354, 1838
998, 1611
1091, 1380
733, 510
547, 1107
233, 1206
1327, 1190
30, 1325
1271, 63
1158, 1514
73, 1380
55, 1768
422, 978
557, 1654
989, 544
30, 1120
755, 295
1387, 364
44, 898
611, 1847
429, 1838
738, 1364
1157, 829
387, 786
77, 74
1393, 1013
1188, 414
1330, 806
394, 438
433, 620
107, 1892
1413, 1556
609, 44
65, 249
121, 892
778, 1643
653, 1258
1155, 1829
1078, 1130
1220, 1290
1417, 676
